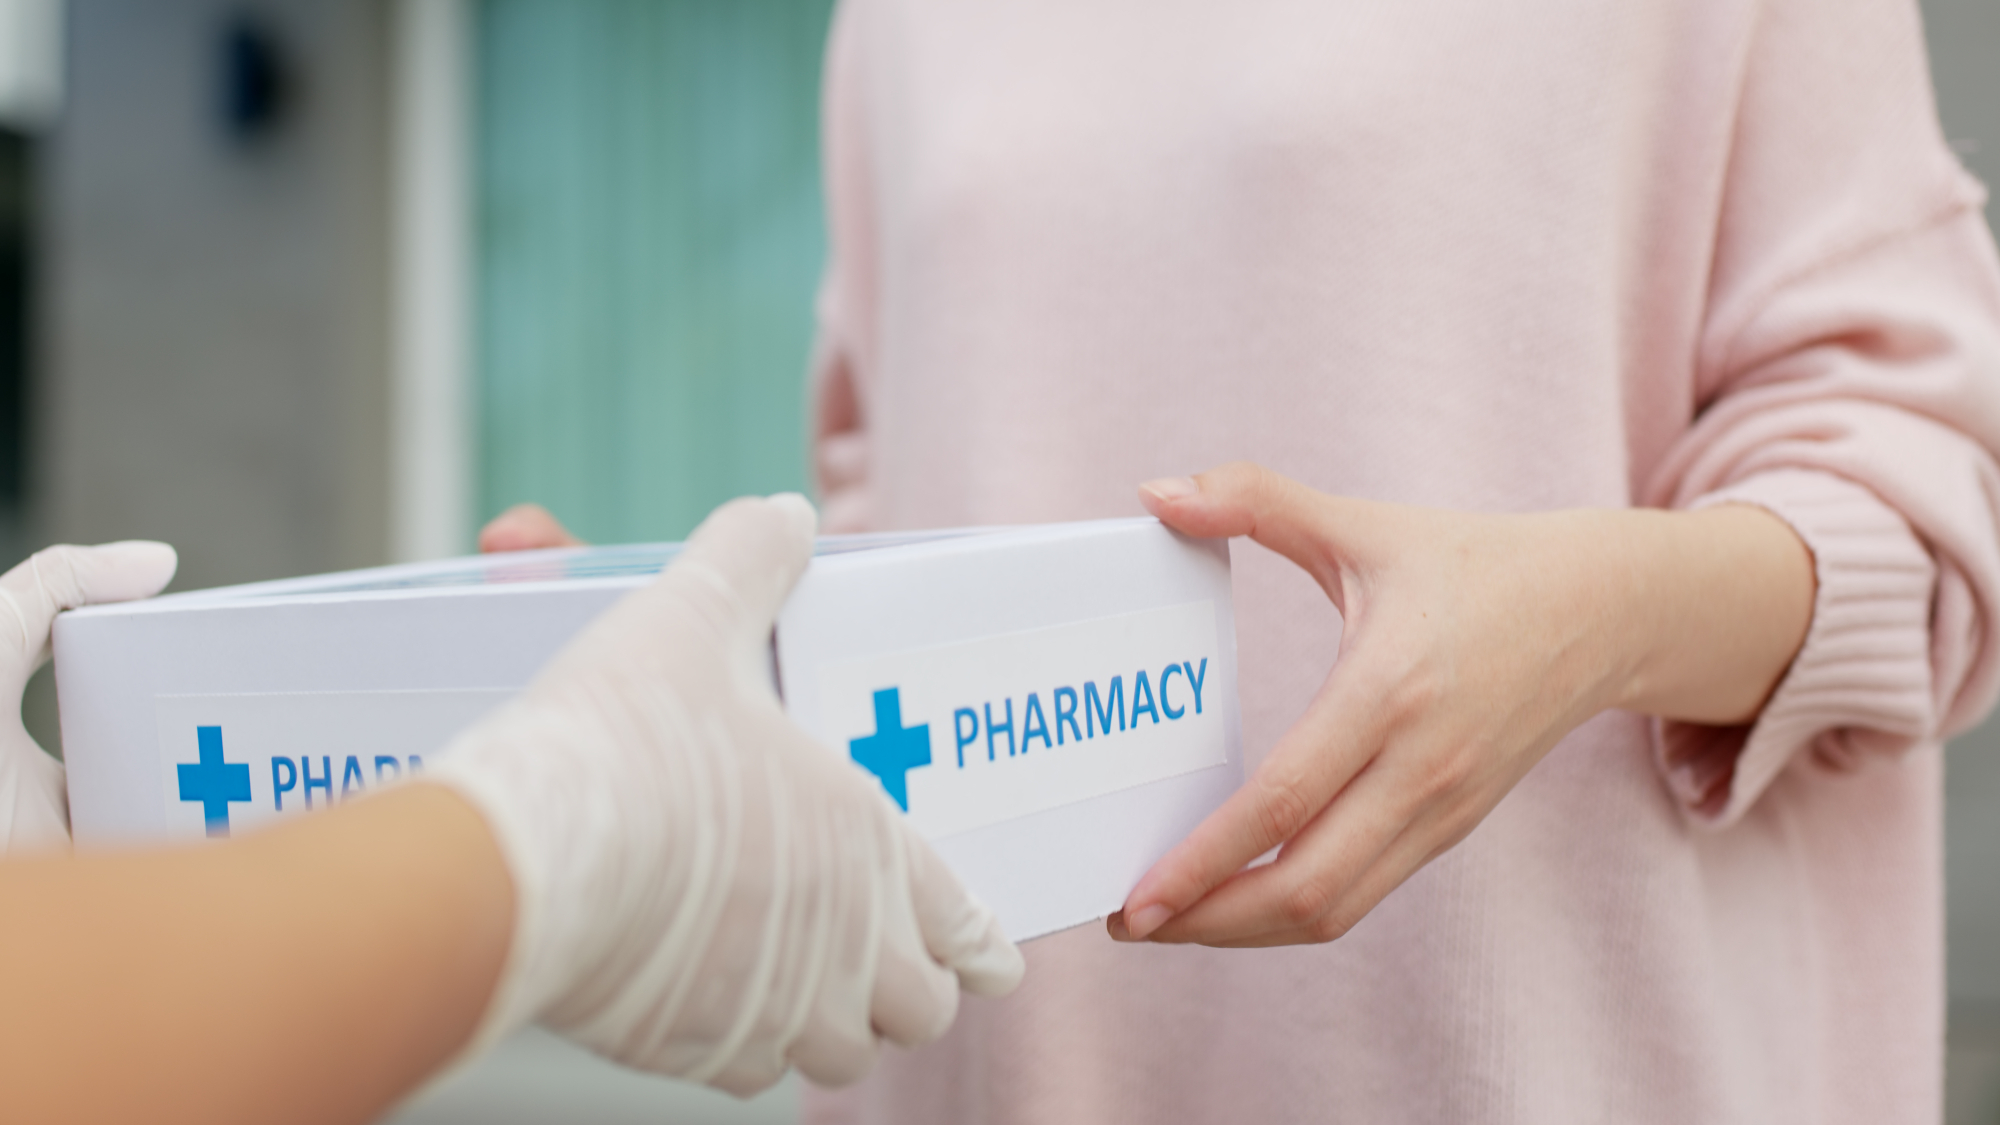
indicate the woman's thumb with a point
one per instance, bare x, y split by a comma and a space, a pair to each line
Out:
1242, 498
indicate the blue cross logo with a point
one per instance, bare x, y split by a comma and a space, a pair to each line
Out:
214, 782
893, 750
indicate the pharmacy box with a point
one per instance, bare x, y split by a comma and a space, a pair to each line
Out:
1051, 706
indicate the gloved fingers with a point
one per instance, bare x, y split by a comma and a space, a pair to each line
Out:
34, 805
752, 550
65, 577
749, 1073
958, 929
915, 998
834, 1050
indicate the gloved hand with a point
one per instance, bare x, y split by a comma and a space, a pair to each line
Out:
34, 805
701, 889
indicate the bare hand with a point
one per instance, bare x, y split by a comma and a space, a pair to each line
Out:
1471, 645
525, 527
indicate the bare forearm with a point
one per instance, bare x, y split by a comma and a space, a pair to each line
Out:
313, 973
1715, 604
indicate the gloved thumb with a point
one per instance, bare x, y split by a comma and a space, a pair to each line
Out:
752, 550
961, 933
65, 577
34, 813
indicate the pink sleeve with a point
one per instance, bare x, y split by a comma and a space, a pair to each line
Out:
1849, 382
840, 438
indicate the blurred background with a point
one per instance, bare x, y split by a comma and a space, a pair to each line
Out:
302, 285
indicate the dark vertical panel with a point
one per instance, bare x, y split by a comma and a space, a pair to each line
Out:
214, 290
16, 225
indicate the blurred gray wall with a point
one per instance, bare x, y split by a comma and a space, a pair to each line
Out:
1965, 58
1965, 45
1964, 40
216, 300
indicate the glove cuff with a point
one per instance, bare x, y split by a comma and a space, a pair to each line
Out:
483, 766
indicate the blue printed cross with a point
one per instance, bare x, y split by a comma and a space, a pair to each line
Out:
214, 782
893, 750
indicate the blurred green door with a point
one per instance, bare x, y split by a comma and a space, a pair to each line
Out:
648, 239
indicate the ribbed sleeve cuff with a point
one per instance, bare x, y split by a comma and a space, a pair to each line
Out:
1861, 682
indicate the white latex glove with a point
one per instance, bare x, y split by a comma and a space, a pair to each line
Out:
702, 890
34, 805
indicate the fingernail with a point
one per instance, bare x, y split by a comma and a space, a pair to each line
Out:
1147, 919
1171, 488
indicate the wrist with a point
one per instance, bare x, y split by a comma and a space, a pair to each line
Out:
1614, 562
1714, 604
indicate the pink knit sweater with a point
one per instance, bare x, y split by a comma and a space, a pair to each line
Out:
1486, 256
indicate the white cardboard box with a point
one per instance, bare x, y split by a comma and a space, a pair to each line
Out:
1052, 706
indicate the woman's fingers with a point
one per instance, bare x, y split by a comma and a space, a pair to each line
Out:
1407, 808
1312, 878
1333, 907
1418, 845
1315, 760
1458, 671
525, 527
1242, 498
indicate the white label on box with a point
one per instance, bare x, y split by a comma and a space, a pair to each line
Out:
971, 734
229, 762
